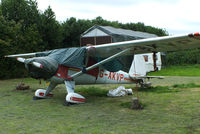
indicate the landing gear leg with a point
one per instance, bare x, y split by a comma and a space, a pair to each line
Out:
43, 94
71, 97
145, 84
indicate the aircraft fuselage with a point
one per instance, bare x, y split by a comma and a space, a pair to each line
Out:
102, 77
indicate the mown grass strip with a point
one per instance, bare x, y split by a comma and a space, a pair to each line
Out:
166, 113
184, 70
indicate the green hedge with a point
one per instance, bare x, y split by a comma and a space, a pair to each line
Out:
182, 57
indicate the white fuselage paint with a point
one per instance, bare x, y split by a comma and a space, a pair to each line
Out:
104, 77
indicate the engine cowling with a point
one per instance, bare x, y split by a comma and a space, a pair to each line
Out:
49, 67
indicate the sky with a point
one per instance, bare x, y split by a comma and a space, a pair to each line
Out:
175, 16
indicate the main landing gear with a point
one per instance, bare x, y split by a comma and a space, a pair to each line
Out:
70, 99
44, 94
144, 83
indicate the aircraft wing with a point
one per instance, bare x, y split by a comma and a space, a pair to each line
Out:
108, 52
158, 44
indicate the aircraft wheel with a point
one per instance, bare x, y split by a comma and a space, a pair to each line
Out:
40, 93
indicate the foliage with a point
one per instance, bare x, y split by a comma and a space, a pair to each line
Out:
72, 29
183, 57
24, 11
21, 32
50, 30
8, 38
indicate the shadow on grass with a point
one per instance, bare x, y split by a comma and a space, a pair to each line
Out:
190, 85
168, 89
159, 89
92, 91
129, 103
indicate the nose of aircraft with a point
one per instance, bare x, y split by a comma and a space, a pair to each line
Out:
41, 67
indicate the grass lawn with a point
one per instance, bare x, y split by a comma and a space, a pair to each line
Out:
168, 109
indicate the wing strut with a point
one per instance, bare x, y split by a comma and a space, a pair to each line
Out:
154, 61
99, 63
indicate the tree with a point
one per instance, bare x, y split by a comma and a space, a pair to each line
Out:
0, 10
8, 35
50, 30
190, 56
100, 21
18, 34
72, 29
22, 11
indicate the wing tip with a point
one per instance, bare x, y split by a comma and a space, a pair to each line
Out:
194, 34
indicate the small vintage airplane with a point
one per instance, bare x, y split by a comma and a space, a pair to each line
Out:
100, 64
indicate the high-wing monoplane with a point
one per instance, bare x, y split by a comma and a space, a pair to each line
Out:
108, 63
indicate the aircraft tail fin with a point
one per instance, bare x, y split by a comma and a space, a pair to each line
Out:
138, 66
144, 63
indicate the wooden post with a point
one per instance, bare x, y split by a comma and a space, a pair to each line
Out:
136, 104
135, 100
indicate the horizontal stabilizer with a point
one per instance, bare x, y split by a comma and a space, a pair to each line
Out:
145, 77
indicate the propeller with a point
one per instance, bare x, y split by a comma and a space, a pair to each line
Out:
36, 64
21, 59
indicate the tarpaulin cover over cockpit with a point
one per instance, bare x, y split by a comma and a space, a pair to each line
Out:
70, 57
74, 57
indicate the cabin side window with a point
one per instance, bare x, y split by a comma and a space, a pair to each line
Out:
145, 58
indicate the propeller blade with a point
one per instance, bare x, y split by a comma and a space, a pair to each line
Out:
21, 59
38, 65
